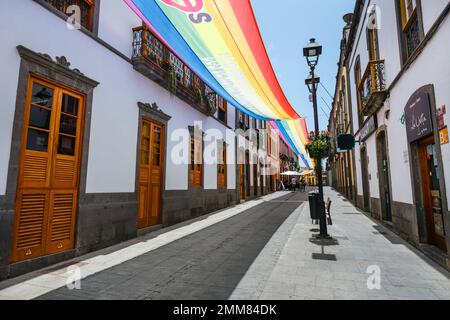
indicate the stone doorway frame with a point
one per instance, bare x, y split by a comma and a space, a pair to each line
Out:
383, 134
416, 179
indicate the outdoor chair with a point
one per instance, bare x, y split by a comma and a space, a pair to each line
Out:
327, 213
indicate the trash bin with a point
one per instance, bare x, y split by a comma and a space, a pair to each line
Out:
314, 204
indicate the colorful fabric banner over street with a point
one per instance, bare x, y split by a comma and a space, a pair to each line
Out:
220, 41
295, 134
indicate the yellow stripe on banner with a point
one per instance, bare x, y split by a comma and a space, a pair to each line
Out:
296, 132
245, 51
234, 80
224, 34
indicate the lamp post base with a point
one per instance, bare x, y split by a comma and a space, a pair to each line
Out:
323, 236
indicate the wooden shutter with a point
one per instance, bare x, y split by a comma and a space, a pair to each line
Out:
144, 174
150, 174
49, 171
31, 218
61, 220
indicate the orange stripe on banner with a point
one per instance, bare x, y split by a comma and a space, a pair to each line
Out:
247, 21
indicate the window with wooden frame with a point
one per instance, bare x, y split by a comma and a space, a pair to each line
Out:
86, 10
358, 94
48, 179
411, 31
372, 44
196, 161
408, 11
221, 164
222, 109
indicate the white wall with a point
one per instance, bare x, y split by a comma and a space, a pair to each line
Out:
421, 73
430, 68
113, 139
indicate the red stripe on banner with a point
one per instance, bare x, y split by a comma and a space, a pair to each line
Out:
305, 129
244, 14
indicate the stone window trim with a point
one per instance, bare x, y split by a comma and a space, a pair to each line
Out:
92, 34
56, 70
64, 16
59, 71
153, 113
404, 56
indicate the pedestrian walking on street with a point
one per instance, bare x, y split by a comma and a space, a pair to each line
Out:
303, 185
294, 183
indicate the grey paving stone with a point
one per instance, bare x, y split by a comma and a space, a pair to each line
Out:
208, 264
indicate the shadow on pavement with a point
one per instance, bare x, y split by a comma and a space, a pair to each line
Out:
207, 264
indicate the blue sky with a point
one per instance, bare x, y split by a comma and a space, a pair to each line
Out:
286, 27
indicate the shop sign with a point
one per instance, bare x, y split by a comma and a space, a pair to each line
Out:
418, 117
443, 135
369, 127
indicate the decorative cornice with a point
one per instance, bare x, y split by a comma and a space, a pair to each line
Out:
154, 110
60, 64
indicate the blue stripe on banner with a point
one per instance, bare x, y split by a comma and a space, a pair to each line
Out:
288, 139
153, 13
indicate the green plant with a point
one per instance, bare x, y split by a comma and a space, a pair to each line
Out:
171, 78
199, 96
320, 145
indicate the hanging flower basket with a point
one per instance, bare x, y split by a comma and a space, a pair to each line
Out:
320, 145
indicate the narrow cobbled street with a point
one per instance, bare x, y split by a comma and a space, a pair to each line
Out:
262, 249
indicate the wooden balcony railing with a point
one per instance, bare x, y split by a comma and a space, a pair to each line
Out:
372, 88
155, 61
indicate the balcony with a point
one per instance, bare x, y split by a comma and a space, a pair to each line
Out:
155, 61
372, 88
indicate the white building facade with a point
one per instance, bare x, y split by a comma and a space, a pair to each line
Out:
399, 81
91, 126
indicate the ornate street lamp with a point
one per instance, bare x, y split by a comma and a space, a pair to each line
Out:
312, 53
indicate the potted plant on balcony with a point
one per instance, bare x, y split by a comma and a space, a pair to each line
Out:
211, 108
171, 79
199, 96
320, 145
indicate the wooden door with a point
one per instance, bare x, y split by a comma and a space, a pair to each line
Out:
247, 173
255, 180
432, 194
150, 174
365, 180
383, 170
241, 181
47, 192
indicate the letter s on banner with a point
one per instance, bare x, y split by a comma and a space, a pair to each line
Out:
200, 18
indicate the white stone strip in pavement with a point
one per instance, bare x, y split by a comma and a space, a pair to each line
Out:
53, 280
368, 262
253, 282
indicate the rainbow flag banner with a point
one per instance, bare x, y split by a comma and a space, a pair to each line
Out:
220, 38
295, 134
220, 41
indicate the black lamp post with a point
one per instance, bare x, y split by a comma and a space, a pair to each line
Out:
312, 52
